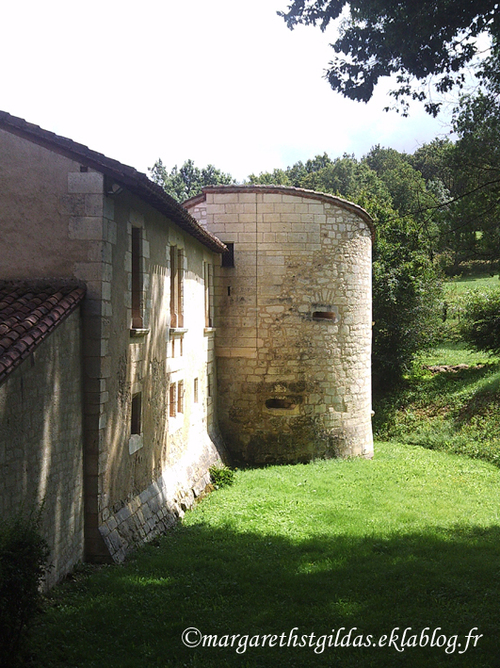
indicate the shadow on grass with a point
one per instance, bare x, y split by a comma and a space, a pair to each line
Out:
225, 583
445, 382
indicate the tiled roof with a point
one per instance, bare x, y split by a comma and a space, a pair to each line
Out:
134, 181
284, 190
29, 312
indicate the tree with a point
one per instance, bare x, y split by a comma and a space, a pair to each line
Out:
294, 175
188, 180
477, 124
480, 321
276, 177
418, 41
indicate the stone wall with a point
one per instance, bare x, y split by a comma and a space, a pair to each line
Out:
293, 320
145, 473
63, 219
41, 443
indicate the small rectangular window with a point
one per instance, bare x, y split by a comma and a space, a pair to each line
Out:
207, 277
228, 256
195, 391
180, 396
135, 421
173, 400
176, 287
137, 321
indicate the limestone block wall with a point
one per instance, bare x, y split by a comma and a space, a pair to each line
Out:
61, 218
293, 319
150, 466
41, 443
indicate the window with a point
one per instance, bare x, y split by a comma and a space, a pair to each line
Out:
135, 421
195, 391
280, 403
180, 396
176, 398
207, 277
135, 442
228, 257
176, 287
325, 315
137, 321
173, 399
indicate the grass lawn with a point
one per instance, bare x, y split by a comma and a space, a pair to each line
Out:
455, 411
380, 563
461, 284
409, 540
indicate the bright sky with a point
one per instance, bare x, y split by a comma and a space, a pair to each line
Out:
218, 81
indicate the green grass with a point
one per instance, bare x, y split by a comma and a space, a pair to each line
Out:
453, 353
461, 284
455, 299
410, 539
457, 412
453, 411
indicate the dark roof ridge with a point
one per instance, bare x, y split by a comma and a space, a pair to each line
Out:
135, 181
287, 190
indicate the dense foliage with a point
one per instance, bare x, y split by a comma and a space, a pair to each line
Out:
480, 321
184, 182
422, 42
23, 564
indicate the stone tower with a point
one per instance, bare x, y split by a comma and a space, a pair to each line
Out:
293, 322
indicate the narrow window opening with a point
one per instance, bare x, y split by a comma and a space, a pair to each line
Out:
135, 421
228, 290
176, 287
280, 403
228, 256
137, 321
324, 315
173, 400
195, 391
180, 396
207, 277
180, 289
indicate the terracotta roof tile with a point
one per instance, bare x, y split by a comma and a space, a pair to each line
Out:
29, 312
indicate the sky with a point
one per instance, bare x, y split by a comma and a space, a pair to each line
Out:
216, 81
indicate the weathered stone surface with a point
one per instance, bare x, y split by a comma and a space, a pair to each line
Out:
293, 320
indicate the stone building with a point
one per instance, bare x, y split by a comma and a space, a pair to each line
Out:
144, 426
293, 320
131, 327
41, 421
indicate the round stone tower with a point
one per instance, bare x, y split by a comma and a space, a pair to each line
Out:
292, 311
